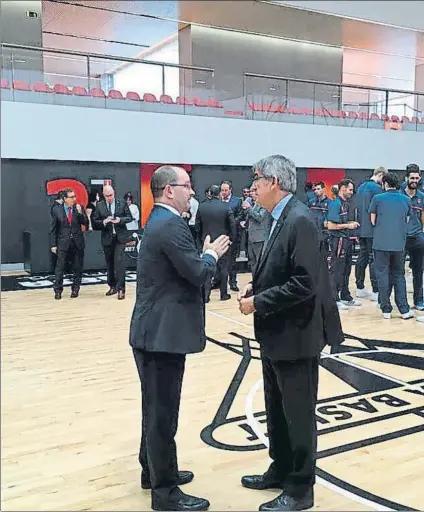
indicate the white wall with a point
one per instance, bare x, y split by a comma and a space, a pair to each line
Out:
89, 134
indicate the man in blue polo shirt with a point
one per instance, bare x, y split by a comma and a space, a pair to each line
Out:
413, 168
319, 207
415, 235
339, 228
390, 212
363, 199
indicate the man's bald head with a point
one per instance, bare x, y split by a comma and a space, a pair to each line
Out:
109, 193
171, 185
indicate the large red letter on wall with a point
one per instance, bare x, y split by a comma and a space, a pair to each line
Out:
55, 186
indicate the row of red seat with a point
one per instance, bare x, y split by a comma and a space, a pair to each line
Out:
20, 85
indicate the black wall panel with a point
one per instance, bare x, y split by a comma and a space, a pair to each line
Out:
26, 206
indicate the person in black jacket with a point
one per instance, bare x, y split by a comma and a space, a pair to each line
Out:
111, 217
168, 322
214, 218
295, 316
67, 240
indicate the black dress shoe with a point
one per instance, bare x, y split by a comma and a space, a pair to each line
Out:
74, 294
261, 482
184, 477
178, 500
121, 295
111, 291
234, 288
285, 502
58, 295
226, 297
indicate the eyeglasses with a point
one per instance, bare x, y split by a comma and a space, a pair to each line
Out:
185, 185
256, 178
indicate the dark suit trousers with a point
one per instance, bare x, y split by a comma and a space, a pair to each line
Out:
221, 276
77, 256
115, 264
161, 377
255, 249
415, 248
234, 253
290, 398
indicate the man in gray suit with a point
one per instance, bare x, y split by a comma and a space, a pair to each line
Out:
258, 223
168, 322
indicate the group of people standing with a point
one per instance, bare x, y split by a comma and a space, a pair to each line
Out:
112, 216
387, 219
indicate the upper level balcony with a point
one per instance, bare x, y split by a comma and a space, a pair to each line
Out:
61, 77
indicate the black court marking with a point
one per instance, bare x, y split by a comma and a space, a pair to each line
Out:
372, 390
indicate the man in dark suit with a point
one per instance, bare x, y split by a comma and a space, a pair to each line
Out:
67, 240
235, 204
167, 323
111, 217
214, 218
295, 316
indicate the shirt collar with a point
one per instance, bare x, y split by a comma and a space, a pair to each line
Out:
279, 207
170, 208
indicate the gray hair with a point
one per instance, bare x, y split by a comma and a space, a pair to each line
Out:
281, 168
163, 176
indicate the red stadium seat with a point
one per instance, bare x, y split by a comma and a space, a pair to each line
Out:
133, 96
115, 95
79, 91
21, 85
352, 115
61, 89
405, 119
41, 87
166, 99
182, 100
97, 93
149, 98
374, 117
213, 103
4, 84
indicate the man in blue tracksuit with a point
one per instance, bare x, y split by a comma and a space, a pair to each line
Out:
363, 199
415, 236
389, 213
319, 207
339, 228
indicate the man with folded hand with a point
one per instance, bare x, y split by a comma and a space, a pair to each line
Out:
168, 322
295, 316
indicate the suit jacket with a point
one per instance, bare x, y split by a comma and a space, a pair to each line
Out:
238, 211
214, 218
258, 219
296, 313
61, 232
102, 212
169, 315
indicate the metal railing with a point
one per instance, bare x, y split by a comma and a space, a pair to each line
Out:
202, 91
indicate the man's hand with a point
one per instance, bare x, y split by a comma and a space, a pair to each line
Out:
78, 207
246, 306
353, 225
246, 292
107, 220
246, 204
116, 220
220, 245
54, 250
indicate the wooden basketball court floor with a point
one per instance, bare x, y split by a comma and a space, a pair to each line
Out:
71, 409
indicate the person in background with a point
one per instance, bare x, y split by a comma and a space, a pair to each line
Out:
167, 324
389, 216
135, 212
334, 192
319, 207
364, 196
339, 228
244, 234
67, 241
413, 168
309, 193
235, 205
258, 219
111, 217
194, 206
93, 199
415, 235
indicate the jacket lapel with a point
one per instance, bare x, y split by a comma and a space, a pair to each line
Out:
275, 233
